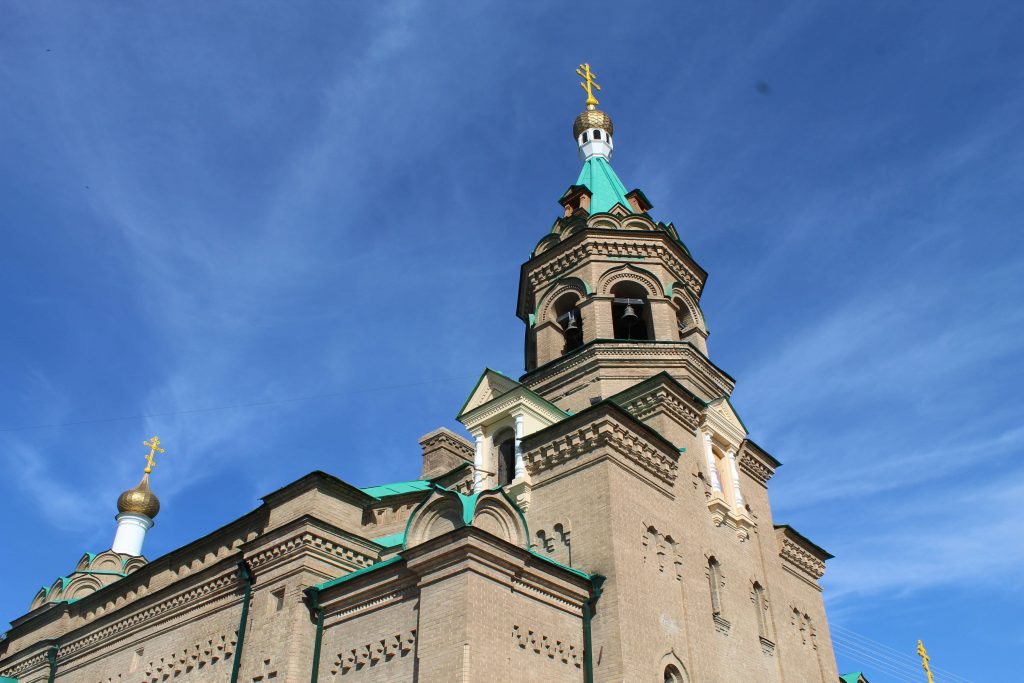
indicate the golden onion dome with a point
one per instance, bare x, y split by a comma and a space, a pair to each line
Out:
592, 118
139, 500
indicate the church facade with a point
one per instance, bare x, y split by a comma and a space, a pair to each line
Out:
605, 517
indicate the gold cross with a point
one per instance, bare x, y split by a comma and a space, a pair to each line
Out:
589, 84
924, 661
154, 446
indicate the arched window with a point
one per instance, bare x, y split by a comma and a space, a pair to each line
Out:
570, 321
684, 321
631, 317
505, 442
715, 585
597, 135
761, 607
586, 136
672, 675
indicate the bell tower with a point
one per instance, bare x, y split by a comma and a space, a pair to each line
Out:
610, 296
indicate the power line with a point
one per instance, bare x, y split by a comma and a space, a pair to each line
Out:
234, 406
868, 662
892, 652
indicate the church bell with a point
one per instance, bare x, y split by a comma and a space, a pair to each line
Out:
629, 316
571, 327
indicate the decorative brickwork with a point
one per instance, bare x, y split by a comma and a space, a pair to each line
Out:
376, 653
553, 648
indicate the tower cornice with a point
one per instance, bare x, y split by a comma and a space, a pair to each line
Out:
610, 243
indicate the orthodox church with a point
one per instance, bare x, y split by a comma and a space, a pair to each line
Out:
604, 517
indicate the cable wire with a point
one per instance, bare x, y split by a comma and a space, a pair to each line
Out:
234, 406
893, 652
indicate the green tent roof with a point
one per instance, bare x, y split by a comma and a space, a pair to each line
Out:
853, 677
606, 189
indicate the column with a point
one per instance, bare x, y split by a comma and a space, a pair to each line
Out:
716, 482
520, 466
478, 464
731, 454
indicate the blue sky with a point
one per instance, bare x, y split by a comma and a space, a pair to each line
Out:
290, 234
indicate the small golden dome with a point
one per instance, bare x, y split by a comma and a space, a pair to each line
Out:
592, 118
139, 500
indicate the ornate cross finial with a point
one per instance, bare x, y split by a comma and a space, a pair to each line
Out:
924, 661
589, 84
154, 447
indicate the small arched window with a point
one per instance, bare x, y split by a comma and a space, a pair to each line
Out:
684, 320
761, 607
715, 586
586, 136
597, 135
506, 452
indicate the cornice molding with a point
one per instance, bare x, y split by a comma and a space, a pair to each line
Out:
611, 352
756, 462
661, 399
604, 432
800, 556
634, 244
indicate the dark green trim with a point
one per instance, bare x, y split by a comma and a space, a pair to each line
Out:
246, 575
313, 593
51, 657
573, 570
596, 583
352, 575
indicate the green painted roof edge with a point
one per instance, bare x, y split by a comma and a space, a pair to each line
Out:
852, 677
358, 572
571, 570
397, 488
415, 485
390, 540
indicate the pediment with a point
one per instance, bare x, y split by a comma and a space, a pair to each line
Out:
724, 419
491, 385
497, 397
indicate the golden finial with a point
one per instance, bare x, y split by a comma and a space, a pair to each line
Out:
589, 84
924, 661
154, 446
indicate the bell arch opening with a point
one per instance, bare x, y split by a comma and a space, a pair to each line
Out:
567, 316
631, 312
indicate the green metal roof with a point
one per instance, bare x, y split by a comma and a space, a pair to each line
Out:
606, 189
391, 540
852, 677
397, 489
359, 572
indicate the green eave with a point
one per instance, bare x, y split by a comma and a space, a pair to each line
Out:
571, 570
606, 190
397, 489
852, 677
357, 573
391, 540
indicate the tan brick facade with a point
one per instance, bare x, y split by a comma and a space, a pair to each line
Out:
632, 540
